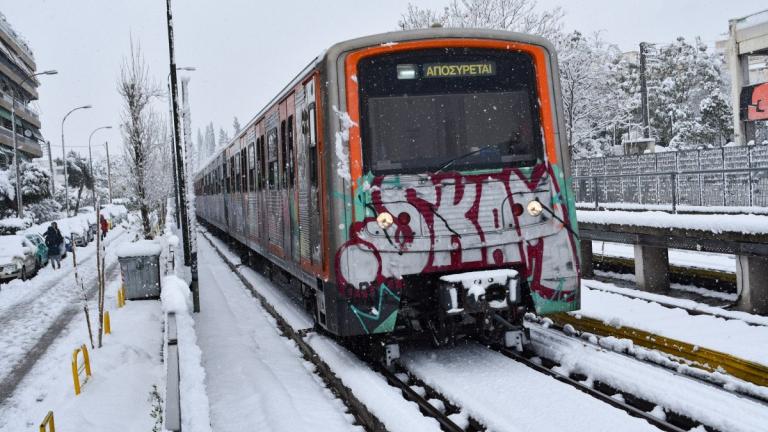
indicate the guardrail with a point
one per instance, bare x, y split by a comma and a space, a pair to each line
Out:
697, 190
722, 179
172, 390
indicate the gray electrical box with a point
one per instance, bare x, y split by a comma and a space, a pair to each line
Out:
140, 269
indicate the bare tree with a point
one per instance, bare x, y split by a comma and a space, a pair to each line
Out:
140, 128
512, 15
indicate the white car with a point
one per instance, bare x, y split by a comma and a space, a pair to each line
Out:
17, 257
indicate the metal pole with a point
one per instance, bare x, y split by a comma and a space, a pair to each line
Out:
90, 163
64, 155
188, 258
50, 163
644, 91
109, 172
175, 169
16, 161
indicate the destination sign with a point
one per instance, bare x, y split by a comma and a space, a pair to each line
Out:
449, 70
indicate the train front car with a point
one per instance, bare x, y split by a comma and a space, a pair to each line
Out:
457, 216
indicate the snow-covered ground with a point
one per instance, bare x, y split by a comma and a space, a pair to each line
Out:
125, 369
29, 309
733, 336
508, 396
740, 223
256, 379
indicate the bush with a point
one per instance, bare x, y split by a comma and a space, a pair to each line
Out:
45, 210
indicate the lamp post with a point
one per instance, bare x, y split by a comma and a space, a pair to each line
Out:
90, 164
64, 153
20, 204
176, 191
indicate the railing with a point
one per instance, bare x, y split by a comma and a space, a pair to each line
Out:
729, 179
172, 389
25, 144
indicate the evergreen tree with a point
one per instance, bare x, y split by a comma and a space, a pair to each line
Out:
223, 137
210, 139
236, 125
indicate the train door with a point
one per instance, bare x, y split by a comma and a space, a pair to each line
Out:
253, 216
309, 181
292, 190
285, 197
243, 200
225, 188
264, 210
273, 186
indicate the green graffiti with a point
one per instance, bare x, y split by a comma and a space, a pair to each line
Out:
386, 325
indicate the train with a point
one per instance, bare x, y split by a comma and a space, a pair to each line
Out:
411, 184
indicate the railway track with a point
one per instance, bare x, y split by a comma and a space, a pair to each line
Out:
363, 415
449, 416
682, 352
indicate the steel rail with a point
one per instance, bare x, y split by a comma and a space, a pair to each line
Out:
704, 358
358, 409
629, 409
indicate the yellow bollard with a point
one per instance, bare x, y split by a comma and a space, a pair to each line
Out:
76, 369
121, 297
107, 324
47, 424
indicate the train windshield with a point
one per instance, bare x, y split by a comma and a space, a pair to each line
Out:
428, 110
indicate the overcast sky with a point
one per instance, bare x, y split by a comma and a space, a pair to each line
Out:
247, 50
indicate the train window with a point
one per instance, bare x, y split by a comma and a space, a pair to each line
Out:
236, 177
231, 179
272, 158
224, 177
312, 154
244, 169
483, 116
290, 163
263, 164
251, 167
283, 155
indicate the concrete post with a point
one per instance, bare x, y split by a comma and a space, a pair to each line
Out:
752, 284
587, 269
737, 82
652, 268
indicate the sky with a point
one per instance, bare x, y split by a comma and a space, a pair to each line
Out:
245, 51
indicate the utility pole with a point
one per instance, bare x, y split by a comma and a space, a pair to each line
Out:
50, 163
644, 91
109, 172
183, 214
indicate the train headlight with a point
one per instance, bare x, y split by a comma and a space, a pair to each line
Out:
534, 208
385, 220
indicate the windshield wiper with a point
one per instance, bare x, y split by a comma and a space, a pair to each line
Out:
473, 152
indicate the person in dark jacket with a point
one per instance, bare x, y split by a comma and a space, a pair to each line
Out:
54, 240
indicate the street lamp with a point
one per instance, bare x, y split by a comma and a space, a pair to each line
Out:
90, 163
64, 153
176, 191
20, 208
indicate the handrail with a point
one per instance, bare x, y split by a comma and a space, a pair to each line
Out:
173, 378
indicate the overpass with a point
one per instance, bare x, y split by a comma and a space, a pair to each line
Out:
748, 36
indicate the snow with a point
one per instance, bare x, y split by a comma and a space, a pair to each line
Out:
256, 379
671, 391
678, 257
716, 223
139, 248
12, 246
341, 144
731, 333
505, 395
124, 371
384, 401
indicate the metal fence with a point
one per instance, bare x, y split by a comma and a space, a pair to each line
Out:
727, 179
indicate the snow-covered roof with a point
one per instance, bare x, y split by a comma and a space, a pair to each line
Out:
139, 249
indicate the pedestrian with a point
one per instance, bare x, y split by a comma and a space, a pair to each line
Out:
104, 226
54, 240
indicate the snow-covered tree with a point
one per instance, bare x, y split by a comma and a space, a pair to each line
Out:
210, 140
200, 149
512, 15
236, 125
142, 131
223, 137
79, 176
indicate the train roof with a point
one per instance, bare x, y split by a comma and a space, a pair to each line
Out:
393, 37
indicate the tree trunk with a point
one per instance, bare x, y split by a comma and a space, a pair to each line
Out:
77, 203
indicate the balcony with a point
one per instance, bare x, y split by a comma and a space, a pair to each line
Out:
31, 147
22, 110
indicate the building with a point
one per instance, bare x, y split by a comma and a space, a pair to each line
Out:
17, 64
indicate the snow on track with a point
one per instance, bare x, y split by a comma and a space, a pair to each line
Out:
705, 403
29, 308
508, 396
256, 379
384, 401
731, 336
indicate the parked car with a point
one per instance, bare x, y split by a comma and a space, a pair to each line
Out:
17, 257
42, 250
